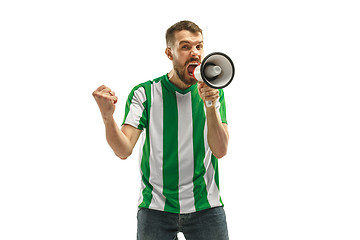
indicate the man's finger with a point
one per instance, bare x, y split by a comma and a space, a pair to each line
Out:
101, 88
105, 90
115, 99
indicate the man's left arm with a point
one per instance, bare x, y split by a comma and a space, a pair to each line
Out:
218, 135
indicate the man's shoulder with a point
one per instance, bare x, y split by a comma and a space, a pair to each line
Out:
150, 82
146, 85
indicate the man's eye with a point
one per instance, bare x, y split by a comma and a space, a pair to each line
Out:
185, 47
199, 47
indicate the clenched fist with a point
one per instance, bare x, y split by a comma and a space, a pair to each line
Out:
106, 101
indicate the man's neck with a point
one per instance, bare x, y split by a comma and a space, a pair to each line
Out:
174, 79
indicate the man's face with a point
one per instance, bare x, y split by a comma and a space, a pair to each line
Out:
187, 53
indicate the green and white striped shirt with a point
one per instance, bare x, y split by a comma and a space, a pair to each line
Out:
179, 173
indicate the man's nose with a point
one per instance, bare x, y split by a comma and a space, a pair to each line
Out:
195, 52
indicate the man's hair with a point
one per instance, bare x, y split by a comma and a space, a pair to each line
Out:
179, 26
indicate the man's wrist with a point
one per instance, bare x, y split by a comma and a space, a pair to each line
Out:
212, 107
108, 119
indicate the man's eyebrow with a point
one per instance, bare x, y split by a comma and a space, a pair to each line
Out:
188, 42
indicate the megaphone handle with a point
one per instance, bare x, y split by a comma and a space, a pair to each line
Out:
208, 103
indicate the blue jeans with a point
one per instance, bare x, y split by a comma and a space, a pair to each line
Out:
209, 224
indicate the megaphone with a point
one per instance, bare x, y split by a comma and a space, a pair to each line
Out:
216, 70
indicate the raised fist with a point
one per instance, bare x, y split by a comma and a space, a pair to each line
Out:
106, 101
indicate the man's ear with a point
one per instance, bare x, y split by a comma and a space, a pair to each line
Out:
169, 53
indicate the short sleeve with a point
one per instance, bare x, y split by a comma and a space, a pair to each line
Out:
221, 106
135, 110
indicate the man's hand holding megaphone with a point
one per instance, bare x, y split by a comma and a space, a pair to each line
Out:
208, 94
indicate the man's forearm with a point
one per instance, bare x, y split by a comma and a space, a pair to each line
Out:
117, 140
218, 137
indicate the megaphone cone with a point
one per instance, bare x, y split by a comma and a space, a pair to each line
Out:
216, 70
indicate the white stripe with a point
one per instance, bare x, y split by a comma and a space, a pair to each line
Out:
156, 147
141, 197
218, 108
186, 155
209, 177
136, 108
217, 105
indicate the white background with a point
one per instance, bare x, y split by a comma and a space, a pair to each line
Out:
292, 168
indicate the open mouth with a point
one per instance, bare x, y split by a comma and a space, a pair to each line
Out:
191, 67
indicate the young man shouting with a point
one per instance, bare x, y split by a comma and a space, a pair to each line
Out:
182, 141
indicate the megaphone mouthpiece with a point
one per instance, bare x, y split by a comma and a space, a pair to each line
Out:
212, 71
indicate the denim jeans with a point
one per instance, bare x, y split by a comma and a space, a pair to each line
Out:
209, 224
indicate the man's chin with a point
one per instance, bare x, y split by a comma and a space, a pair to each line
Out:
186, 78
190, 80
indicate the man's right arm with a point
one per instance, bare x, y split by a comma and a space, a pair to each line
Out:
122, 141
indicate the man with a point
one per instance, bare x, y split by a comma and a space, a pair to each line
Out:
181, 144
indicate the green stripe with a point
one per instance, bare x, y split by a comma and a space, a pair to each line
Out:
145, 163
170, 151
199, 118
214, 162
222, 109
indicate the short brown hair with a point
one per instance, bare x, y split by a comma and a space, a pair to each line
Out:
179, 26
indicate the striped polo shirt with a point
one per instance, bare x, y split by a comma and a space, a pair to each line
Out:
179, 173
